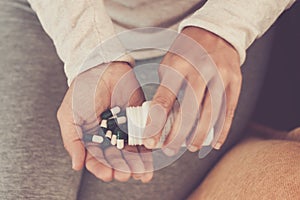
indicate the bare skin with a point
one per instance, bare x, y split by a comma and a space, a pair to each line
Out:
226, 60
115, 164
75, 118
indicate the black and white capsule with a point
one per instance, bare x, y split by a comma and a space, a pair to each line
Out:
121, 137
113, 140
110, 112
108, 134
93, 138
112, 123
102, 131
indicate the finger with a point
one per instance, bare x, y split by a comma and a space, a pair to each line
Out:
232, 97
161, 104
186, 118
131, 155
71, 135
203, 126
97, 165
122, 171
147, 158
131, 95
135, 97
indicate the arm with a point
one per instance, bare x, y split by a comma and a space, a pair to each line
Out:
220, 32
239, 22
76, 28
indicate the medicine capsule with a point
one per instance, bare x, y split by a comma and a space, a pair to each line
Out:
93, 138
120, 144
110, 112
112, 123
113, 140
108, 134
102, 132
121, 137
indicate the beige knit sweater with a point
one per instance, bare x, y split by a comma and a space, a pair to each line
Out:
78, 26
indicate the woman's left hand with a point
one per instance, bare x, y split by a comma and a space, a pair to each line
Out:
223, 79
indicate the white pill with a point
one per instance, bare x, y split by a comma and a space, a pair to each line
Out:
97, 139
103, 123
115, 110
120, 144
113, 140
108, 134
121, 120
110, 112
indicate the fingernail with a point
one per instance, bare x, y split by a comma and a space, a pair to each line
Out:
147, 177
150, 143
193, 148
169, 152
218, 146
73, 164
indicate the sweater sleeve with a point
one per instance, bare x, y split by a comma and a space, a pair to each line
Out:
77, 27
239, 22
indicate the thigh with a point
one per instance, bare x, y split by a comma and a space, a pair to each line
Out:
32, 84
255, 169
179, 179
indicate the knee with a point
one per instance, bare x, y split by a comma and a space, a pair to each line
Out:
255, 169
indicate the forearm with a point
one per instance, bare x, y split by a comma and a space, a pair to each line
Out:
77, 27
239, 22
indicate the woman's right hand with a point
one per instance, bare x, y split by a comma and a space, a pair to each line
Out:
91, 93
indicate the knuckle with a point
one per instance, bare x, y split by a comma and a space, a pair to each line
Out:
236, 77
174, 61
230, 113
164, 100
177, 61
172, 58
233, 75
224, 70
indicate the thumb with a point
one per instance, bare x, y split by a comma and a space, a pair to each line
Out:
71, 135
77, 153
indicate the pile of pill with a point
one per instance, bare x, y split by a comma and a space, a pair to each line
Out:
118, 128
110, 132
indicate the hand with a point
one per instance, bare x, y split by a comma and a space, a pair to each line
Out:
90, 94
208, 86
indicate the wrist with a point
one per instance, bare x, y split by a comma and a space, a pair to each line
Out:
210, 41
205, 37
